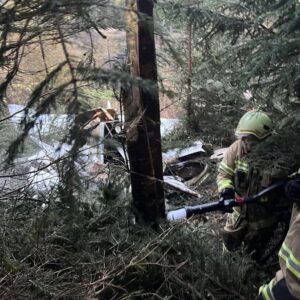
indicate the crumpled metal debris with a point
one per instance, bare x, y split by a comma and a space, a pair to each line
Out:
177, 184
186, 169
184, 154
40, 166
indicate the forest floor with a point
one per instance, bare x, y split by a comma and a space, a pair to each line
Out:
99, 252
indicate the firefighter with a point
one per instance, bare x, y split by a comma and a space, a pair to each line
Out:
286, 284
253, 224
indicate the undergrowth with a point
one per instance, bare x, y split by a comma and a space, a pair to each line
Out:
98, 252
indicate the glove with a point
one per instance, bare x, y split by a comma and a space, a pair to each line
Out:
292, 190
227, 194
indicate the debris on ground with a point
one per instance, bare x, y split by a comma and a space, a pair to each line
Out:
37, 167
186, 170
184, 154
178, 185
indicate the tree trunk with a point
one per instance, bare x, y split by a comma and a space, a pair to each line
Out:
142, 116
189, 105
7, 132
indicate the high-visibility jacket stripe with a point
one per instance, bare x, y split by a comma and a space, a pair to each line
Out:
245, 170
225, 183
266, 291
239, 165
242, 166
226, 169
292, 263
241, 162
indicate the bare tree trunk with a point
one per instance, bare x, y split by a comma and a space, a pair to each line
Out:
142, 116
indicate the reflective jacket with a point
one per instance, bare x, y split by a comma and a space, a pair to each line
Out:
289, 260
234, 172
231, 166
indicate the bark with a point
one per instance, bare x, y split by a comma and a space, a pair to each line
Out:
7, 132
142, 116
189, 78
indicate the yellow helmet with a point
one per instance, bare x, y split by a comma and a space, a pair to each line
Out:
256, 123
